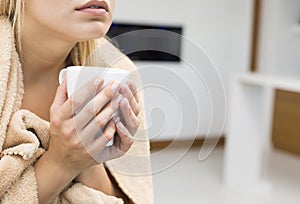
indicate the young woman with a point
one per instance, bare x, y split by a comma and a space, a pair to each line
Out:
37, 39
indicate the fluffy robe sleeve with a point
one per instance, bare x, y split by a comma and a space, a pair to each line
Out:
24, 138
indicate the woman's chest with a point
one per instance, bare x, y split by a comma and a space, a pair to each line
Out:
38, 99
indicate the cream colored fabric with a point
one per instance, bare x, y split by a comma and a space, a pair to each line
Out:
24, 137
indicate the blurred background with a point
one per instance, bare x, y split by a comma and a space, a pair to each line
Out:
222, 100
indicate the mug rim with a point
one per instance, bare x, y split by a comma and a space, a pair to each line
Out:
109, 69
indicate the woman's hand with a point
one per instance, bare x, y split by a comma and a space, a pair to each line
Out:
74, 145
129, 122
95, 176
130, 107
74, 124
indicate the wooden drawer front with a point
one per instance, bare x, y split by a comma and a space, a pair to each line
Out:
286, 122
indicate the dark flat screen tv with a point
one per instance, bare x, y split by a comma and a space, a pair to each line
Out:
147, 42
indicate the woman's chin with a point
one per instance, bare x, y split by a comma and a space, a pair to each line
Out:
90, 36
94, 30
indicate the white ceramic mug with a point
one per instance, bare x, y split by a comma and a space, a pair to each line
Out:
77, 76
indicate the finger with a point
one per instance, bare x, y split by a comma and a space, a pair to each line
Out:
98, 123
99, 102
79, 98
108, 111
134, 91
131, 120
96, 148
122, 143
60, 98
125, 91
126, 140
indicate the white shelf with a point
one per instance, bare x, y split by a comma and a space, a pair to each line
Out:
276, 82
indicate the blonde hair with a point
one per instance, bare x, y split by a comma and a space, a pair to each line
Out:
14, 9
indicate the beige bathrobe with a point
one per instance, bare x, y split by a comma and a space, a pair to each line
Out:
24, 137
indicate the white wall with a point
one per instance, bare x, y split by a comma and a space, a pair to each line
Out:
280, 38
222, 28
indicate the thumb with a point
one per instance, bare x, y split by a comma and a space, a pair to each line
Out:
61, 96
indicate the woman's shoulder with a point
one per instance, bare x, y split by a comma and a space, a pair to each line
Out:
124, 63
113, 56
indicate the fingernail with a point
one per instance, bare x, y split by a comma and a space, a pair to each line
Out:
131, 85
98, 81
115, 85
127, 106
121, 127
118, 99
116, 119
122, 89
127, 89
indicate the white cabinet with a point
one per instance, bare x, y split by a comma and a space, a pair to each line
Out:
249, 127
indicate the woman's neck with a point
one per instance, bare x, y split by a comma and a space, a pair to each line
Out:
42, 53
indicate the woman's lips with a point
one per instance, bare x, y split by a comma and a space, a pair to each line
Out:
94, 7
93, 11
